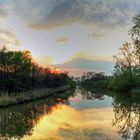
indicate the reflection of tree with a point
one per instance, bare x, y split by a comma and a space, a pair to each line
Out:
91, 94
17, 121
127, 115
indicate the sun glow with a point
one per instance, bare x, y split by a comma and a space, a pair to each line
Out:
61, 117
65, 122
56, 71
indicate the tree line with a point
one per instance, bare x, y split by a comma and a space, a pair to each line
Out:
94, 80
19, 73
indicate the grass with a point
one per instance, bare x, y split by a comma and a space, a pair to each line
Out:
19, 98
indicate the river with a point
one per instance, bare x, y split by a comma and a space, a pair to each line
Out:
79, 115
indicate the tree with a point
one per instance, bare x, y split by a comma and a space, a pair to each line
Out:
18, 73
125, 60
127, 68
135, 35
15, 70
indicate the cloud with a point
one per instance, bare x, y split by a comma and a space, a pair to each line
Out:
62, 40
44, 60
8, 37
84, 62
86, 56
96, 34
102, 15
4, 11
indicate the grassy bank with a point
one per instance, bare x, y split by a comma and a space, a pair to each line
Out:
20, 98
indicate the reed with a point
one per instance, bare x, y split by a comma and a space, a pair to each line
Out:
20, 98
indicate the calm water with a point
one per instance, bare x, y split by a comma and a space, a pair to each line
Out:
82, 115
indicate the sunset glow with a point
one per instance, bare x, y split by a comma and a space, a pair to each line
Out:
70, 69
66, 118
55, 32
56, 70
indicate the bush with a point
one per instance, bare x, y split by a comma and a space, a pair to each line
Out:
120, 83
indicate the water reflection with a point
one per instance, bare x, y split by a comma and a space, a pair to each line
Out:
91, 94
58, 118
126, 109
127, 115
18, 121
66, 123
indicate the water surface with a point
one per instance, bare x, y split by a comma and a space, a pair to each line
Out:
82, 115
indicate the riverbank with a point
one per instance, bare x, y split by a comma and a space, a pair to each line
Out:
20, 98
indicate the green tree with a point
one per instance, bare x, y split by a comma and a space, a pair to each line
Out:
19, 73
15, 70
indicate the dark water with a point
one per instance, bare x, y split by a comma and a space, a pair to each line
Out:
79, 115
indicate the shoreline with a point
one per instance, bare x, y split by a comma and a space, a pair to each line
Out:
29, 96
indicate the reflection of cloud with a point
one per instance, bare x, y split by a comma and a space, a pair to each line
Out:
103, 15
87, 134
93, 126
67, 123
8, 37
62, 40
44, 60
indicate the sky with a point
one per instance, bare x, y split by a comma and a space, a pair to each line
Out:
57, 31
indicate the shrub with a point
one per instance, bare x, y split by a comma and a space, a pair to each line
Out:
120, 83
